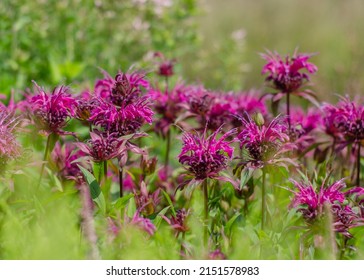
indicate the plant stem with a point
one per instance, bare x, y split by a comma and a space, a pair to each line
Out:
206, 213
46, 153
88, 225
168, 147
121, 182
105, 169
263, 200
288, 113
358, 165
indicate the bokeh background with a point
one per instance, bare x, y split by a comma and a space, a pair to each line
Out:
216, 42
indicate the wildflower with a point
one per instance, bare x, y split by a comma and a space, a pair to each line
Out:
165, 67
311, 202
347, 119
103, 146
245, 103
178, 222
303, 126
217, 255
286, 74
199, 100
9, 147
122, 90
143, 223
146, 202
85, 104
63, 158
206, 156
122, 121
169, 105
263, 143
51, 112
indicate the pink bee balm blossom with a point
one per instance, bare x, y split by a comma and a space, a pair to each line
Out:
51, 112
63, 157
310, 202
179, 222
123, 89
264, 143
9, 147
102, 147
206, 156
287, 74
346, 120
123, 121
143, 223
165, 67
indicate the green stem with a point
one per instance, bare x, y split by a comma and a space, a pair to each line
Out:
105, 169
263, 200
46, 153
206, 213
168, 147
121, 182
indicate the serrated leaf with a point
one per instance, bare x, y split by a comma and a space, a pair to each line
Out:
95, 190
166, 195
121, 202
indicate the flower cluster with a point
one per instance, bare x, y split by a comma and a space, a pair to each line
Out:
51, 112
286, 74
311, 203
264, 143
206, 156
345, 121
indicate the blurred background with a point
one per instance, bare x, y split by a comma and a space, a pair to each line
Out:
215, 42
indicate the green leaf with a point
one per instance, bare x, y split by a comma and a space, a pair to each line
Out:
55, 180
166, 195
131, 208
158, 219
53, 138
98, 169
121, 202
245, 176
230, 223
95, 189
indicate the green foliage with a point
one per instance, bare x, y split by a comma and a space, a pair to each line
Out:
69, 40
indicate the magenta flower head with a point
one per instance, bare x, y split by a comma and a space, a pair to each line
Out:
123, 121
264, 143
346, 120
179, 221
199, 100
103, 146
146, 202
169, 105
63, 158
51, 112
9, 147
206, 156
287, 75
122, 90
165, 67
311, 203
143, 223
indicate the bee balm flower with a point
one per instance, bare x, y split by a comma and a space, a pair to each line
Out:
206, 156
